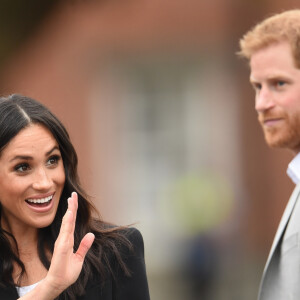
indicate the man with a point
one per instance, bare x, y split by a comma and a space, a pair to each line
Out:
273, 50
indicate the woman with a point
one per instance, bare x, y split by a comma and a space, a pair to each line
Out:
45, 214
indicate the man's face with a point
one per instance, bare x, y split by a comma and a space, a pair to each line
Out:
276, 81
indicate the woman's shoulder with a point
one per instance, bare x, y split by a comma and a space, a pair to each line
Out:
111, 230
134, 284
126, 240
130, 241
135, 246
133, 235
125, 263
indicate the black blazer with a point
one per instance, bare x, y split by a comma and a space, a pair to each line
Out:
134, 287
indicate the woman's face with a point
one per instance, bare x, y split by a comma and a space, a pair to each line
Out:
32, 178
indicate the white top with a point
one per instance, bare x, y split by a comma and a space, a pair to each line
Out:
293, 170
22, 290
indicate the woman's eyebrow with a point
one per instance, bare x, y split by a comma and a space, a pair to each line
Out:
23, 157
50, 151
28, 157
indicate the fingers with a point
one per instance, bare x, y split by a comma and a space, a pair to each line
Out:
69, 219
88, 239
73, 206
73, 202
65, 264
66, 234
75, 197
67, 223
85, 245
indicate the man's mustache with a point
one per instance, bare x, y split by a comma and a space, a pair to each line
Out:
264, 117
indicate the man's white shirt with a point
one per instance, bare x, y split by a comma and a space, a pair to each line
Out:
293, 169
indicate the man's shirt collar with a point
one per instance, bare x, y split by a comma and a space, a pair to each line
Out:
293, 170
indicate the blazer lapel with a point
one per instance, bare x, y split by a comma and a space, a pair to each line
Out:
283, 223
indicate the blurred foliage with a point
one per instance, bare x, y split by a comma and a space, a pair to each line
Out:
18, 21
198, 203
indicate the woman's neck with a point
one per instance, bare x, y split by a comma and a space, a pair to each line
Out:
26, 237
27, 252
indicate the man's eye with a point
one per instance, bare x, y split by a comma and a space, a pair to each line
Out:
256, 86
22, 168
280, 83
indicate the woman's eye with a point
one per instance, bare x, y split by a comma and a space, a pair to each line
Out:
280, 83
53, 160
22, 168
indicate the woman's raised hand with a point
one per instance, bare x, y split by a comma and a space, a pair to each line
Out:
65, 264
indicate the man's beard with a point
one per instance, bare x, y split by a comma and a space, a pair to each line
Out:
284, 135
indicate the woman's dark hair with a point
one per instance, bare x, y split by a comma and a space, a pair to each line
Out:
16, 113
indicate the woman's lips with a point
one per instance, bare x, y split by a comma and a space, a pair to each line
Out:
40, 200
40, 204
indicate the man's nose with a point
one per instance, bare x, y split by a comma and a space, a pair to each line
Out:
264, 100
42, 180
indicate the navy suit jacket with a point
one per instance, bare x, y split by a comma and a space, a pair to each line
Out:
122, 287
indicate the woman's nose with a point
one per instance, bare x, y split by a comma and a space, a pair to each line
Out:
42, 180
